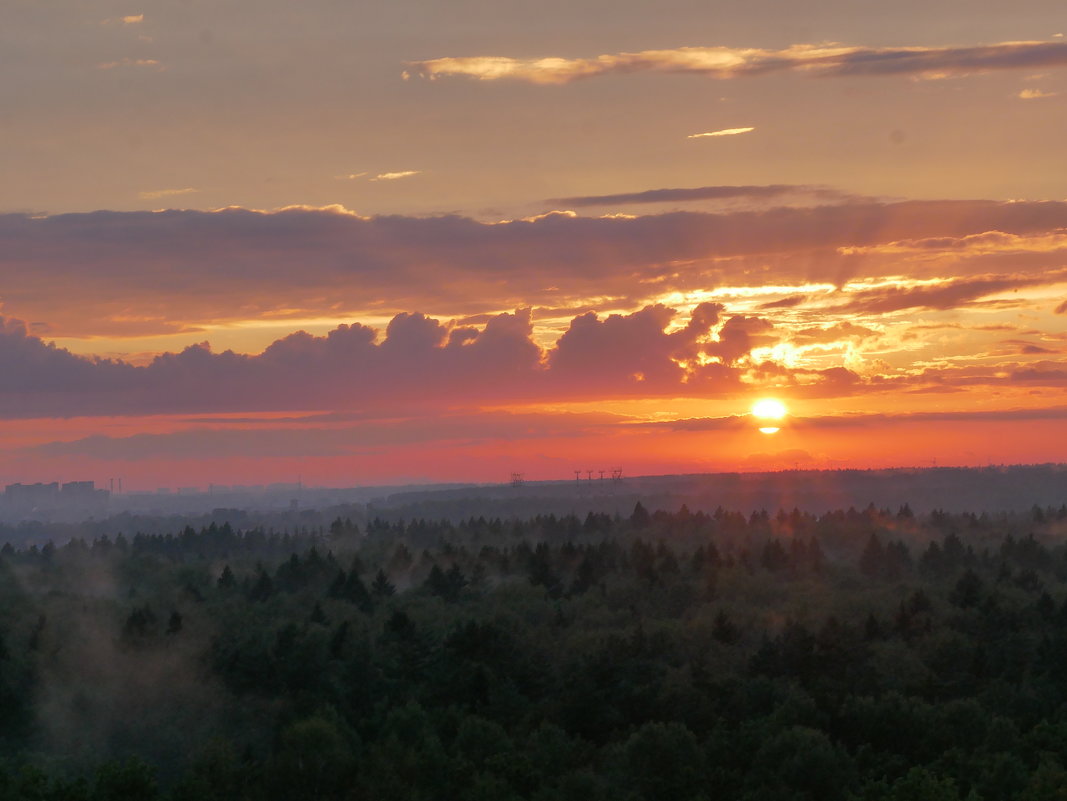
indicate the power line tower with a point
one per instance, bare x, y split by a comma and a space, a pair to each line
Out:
517, 479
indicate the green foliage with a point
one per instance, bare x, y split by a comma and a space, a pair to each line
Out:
661, 762
685, 655
131, 780
316, 759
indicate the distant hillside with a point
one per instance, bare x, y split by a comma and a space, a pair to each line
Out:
990, 489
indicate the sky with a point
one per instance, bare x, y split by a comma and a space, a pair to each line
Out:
379, 242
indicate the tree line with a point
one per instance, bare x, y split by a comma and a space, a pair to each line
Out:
860, 654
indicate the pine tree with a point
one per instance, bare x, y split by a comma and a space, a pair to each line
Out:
382, 587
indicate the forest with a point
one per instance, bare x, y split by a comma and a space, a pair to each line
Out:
855, 655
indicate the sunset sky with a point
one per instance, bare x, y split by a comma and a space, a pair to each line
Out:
380, 242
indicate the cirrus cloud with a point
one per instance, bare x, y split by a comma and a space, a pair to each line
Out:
723, 132
395, 176
769, 192
816, 60
154, 194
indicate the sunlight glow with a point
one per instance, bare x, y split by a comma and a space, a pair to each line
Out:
769, 430
769, 409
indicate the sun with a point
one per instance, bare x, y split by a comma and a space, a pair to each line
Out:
768, 410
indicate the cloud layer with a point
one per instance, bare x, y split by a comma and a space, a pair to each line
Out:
139, 273
817, 60
770, 192
422, 363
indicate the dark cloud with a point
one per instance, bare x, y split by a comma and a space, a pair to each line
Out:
1029, 348
812, 383
1043, 373
814, 335
420, 363
785, 303
631, 351
132, 273
949, 60
949, 295
738, 336
768, 192
1046, 374
27, 364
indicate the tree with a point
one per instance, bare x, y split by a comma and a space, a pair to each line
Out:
773, 557
139, 625
724, 629
872, 558
263, 588
132, 780
640, 517
919, 784
968, 590
663, 762
540, 570
800, 762
215, 774
226, 580
382, 586
315, 760
174, 623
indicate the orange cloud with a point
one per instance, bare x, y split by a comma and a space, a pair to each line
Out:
949, 294
1035, 94
395, 176
729, 62
723, 132
984, 243
158, 193
129, 62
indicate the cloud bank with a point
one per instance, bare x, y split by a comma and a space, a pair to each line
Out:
139, 273
420, 362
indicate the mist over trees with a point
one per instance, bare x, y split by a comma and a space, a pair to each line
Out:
864, 653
